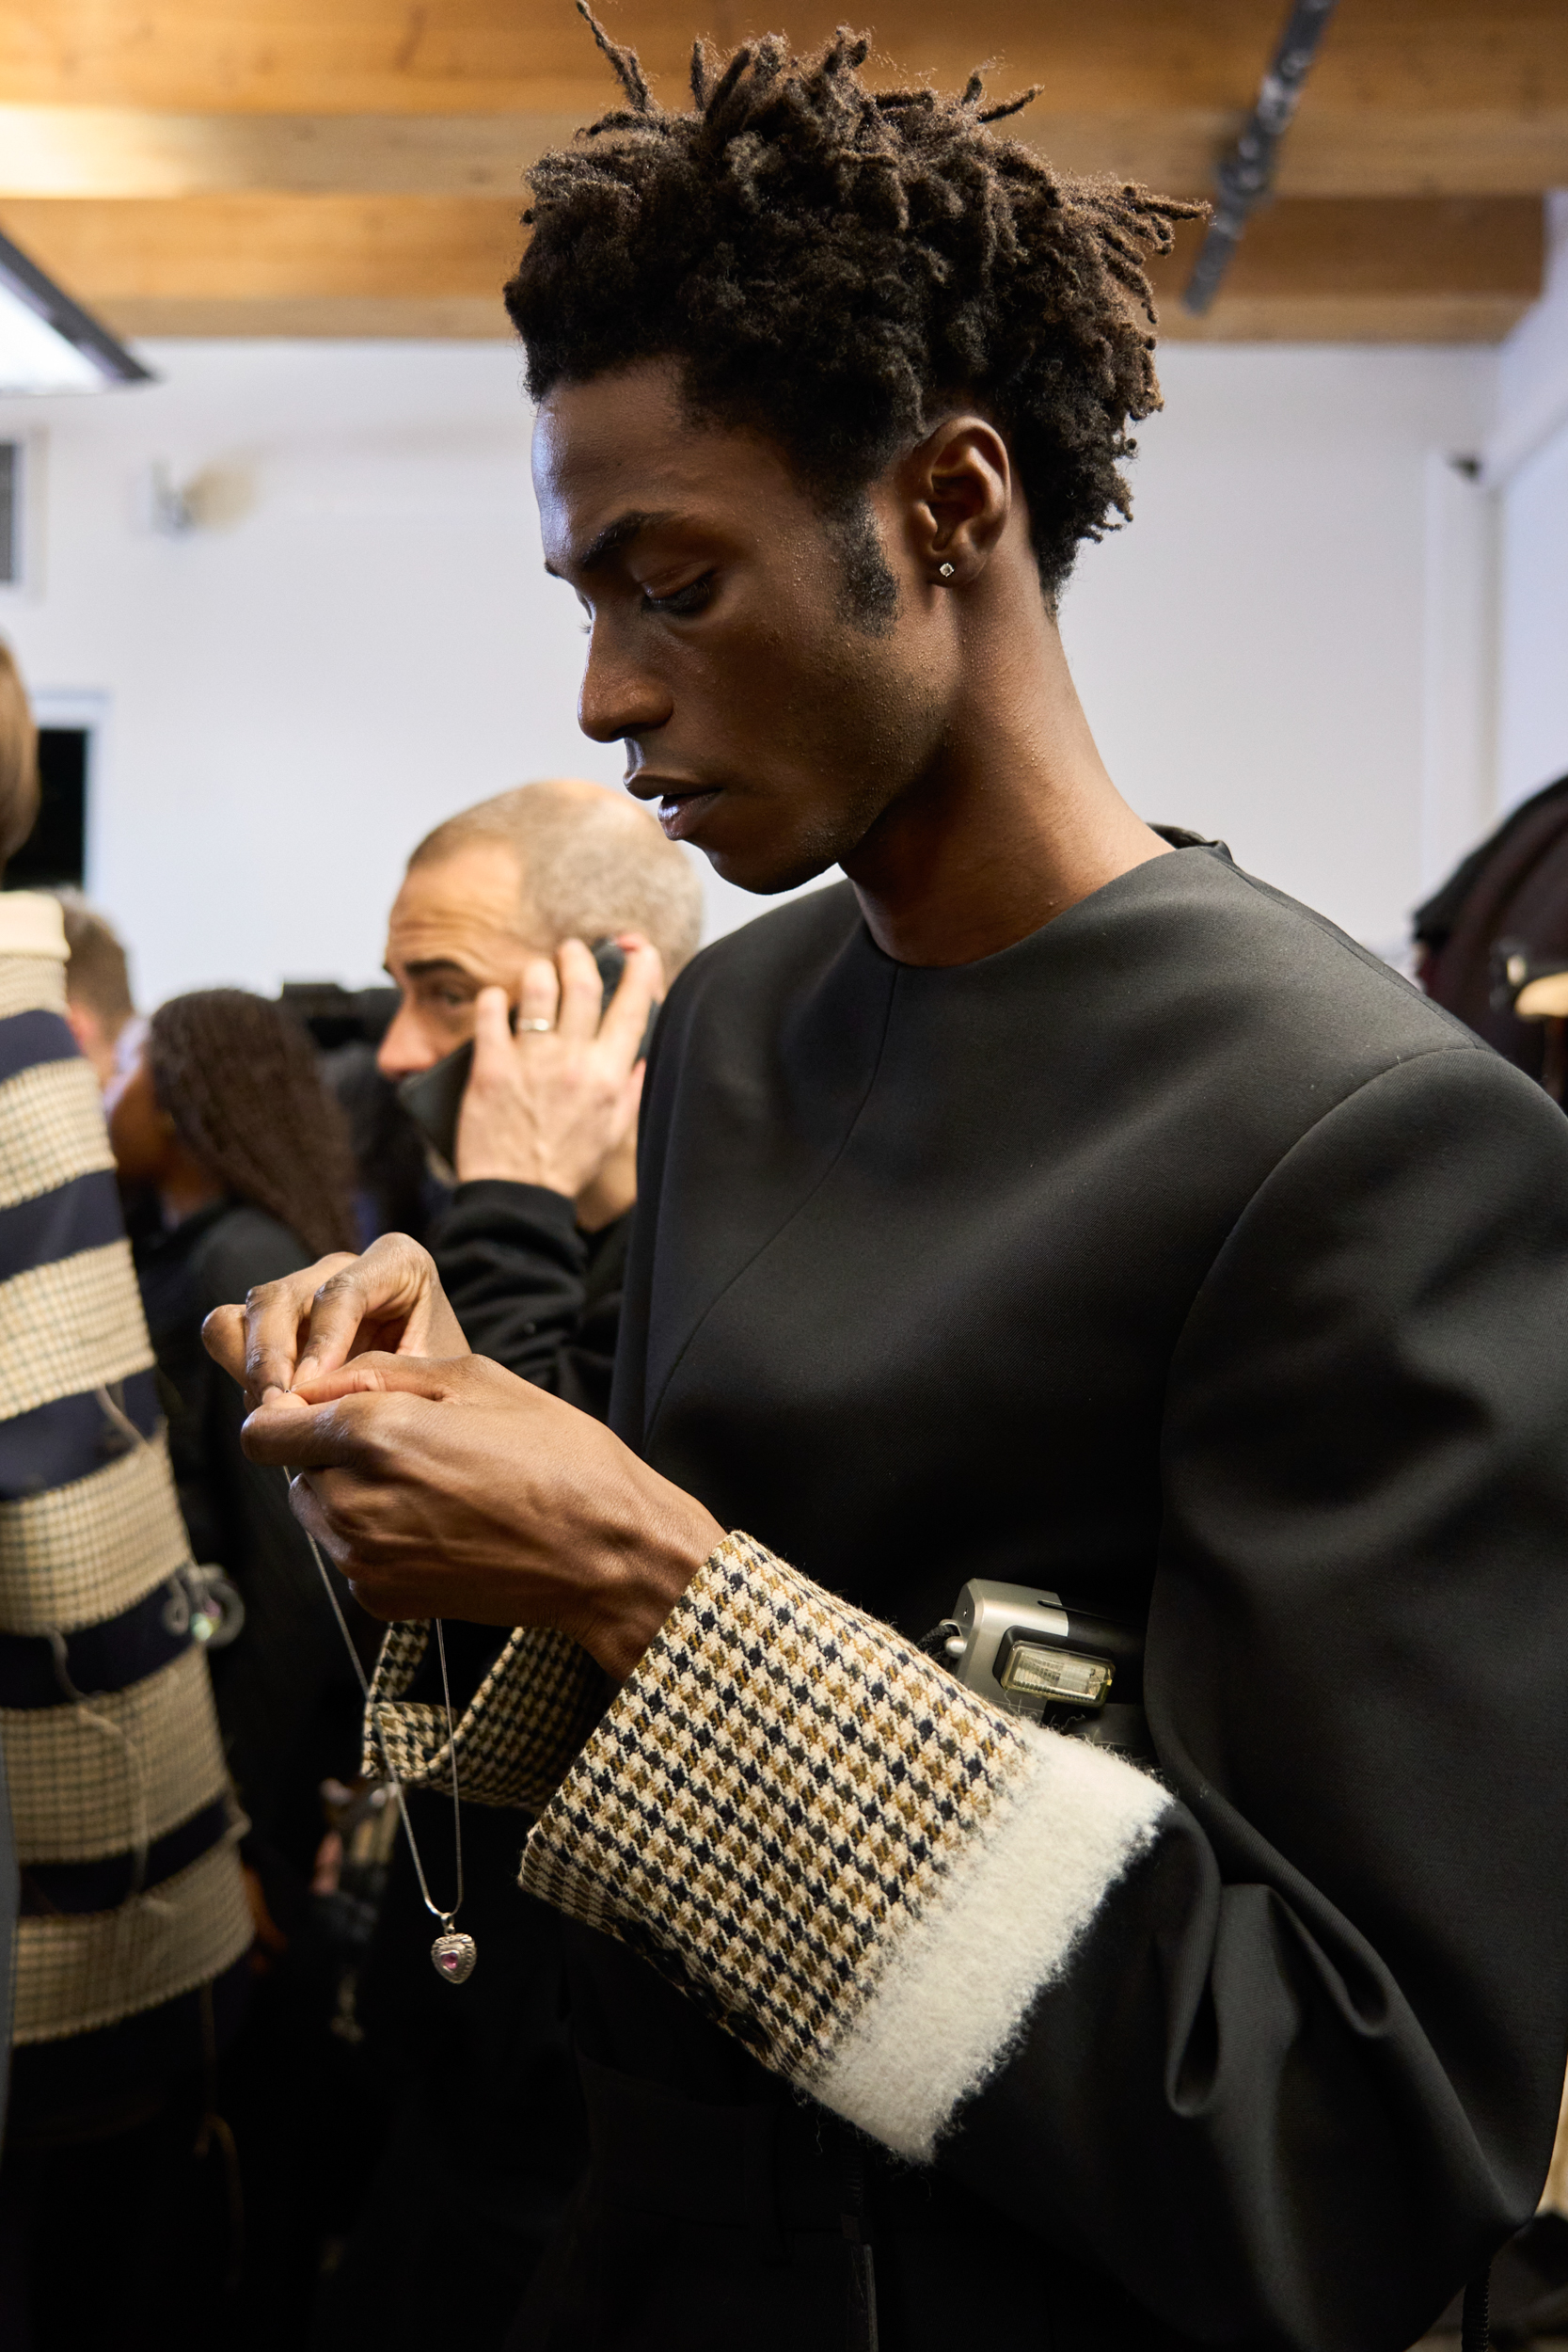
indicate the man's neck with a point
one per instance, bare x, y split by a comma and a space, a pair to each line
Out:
1016, 821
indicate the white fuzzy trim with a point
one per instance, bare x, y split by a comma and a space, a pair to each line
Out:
997, 1931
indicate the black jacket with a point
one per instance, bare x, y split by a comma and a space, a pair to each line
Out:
531, 1289
1184, 1260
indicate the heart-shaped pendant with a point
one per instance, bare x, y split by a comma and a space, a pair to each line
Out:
453, 1955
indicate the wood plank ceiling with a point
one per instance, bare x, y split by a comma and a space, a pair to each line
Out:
354, 166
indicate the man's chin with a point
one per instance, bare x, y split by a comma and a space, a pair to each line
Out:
765, 874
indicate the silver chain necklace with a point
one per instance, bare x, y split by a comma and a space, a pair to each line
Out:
453, 1953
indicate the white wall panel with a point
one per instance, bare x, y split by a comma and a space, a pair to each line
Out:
359, 637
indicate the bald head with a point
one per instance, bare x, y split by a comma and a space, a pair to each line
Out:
512, 879
590, 863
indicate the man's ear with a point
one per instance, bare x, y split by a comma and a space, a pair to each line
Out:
84, 1025
961, 484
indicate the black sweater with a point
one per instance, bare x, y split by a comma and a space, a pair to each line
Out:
1184, 1260
531, 1289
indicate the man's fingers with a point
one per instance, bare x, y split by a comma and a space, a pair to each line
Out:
392, 1296
346, 1432
642, 987
539, 993
258, 1343
223, 1336
492, 1034
474, 1377
312, 1512
341, 1306
582, 992
379, 1375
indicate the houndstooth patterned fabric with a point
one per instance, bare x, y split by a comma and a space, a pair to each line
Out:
119, 1772
31, 983
769, 1800
84, 1540
80, 1971
71, 1325
516, 1739
78, 1554
50, 1133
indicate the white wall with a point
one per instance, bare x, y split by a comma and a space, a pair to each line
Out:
361, 638
1254, 650
1528, 467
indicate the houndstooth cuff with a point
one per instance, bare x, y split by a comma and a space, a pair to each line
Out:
515, 1738
857, 1865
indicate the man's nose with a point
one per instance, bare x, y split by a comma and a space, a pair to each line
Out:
406, 1047
619, 698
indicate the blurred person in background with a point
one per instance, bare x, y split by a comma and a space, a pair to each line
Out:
498, 911
226, 1126
130, 1968
1497, 926
98, 1004
225, 1119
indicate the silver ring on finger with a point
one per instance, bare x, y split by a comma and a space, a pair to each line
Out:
535, 1024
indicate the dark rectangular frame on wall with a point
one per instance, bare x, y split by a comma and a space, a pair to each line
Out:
56, 851
12, 466
22, 480
60, 853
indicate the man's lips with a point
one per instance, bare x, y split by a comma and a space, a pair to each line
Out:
681, 806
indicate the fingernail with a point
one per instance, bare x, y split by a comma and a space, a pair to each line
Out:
270, 1395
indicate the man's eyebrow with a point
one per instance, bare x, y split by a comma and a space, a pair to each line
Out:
611, 539
429, 965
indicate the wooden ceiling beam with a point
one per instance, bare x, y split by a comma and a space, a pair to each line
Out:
122, 153
1122, 58
1449, 269
271, 248
1409, 269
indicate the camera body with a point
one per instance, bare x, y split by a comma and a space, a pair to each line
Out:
1027, 1650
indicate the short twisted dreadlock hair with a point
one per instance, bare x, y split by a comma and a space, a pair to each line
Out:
832, 264
239, 1078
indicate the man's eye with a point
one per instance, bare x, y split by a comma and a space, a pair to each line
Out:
688, 599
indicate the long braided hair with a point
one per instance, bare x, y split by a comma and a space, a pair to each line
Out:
239, 1078
832, 265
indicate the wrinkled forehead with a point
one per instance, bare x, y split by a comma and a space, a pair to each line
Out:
466, 908
625, 444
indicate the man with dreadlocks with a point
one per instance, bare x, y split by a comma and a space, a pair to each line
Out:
1050, 1204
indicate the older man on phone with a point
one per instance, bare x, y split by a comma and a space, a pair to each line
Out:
494, 925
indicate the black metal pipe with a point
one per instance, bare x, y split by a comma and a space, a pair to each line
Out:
1243, 178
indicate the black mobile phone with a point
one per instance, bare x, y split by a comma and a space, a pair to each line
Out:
432, 1098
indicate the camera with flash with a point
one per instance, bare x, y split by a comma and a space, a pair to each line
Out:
1026, 1650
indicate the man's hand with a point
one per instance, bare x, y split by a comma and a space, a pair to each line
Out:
458, 1490
339, 1308
550, 1107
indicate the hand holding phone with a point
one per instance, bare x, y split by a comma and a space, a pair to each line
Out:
546, 1107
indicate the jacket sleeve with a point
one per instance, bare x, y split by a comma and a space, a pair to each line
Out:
516, 1271
1276, 2036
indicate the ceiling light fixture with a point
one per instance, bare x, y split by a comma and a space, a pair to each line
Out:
49, 344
